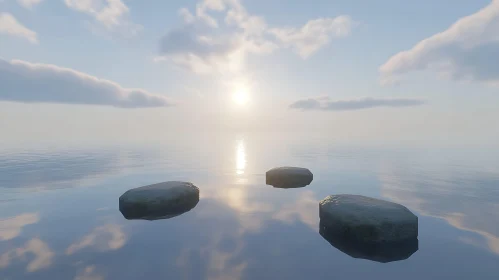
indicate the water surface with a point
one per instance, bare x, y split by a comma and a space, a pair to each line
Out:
59, 216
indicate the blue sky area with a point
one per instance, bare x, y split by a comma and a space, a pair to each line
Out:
430, 66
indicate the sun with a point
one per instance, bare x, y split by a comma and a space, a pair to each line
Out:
240, 96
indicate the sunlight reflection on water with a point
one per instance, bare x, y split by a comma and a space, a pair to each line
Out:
240, 157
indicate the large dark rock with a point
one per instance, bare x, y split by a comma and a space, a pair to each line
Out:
367, 220
379, 252
289, 177
159, 201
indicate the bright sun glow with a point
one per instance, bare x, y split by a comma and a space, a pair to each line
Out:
240, 96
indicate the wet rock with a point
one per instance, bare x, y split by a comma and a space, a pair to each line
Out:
367, 220
379, 252
159, 201
289, 177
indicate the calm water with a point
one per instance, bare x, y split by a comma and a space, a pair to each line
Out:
59, 215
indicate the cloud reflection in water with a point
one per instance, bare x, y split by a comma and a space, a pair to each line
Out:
42, 255
466, 199
11, 227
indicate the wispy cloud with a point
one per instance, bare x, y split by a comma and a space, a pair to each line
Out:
88, 273
186, 48
219, 34
110, 14
22, 81
29, 3
465, 51
314, 35
326, 104
10, 26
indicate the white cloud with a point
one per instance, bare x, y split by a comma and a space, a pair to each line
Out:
112, 14
315, 34
88, 274
206, 44
9, 25
201, 53
43, 255
186, 15
104, 238
466, 51
29, 3
11, 227
238, 15
201, 13
217, 5
326, 104
22, 81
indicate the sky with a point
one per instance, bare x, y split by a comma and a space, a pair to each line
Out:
360, 71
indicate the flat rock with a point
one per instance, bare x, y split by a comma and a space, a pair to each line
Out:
382, 252
288, 177
159, 201
367, 220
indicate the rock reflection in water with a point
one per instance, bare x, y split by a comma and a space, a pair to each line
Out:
378, 252
160, 214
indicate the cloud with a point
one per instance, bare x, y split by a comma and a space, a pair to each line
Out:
466, 51
88, 274
11, 227
185, 40
186, 15
10, 26
199, 53
104, 238
22, 81
29, 3
315, 34
43, 255
325, 104
220, 34
111, 14
204, 6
